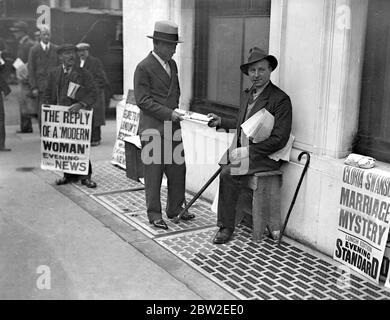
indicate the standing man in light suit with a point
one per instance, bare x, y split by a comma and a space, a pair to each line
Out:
157, 92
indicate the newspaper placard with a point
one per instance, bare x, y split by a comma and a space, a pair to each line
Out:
130, 122
119, 154
363, 220
128, 128
65, 140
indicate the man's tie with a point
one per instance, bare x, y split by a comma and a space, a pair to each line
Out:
167, 68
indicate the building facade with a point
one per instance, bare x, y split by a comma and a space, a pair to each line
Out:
333, 62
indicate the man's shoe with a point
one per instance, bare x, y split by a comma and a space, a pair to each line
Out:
89, 183
5, 149
187, 216
159, 224
223, 235
62, 181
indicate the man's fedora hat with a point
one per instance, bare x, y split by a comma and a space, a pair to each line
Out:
255, 55
166, 31
66, 47
19, 26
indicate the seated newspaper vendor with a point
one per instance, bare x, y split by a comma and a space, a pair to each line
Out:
247, 156
57, 93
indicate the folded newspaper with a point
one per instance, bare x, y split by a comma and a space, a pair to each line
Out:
360, 161
190, 115
259, 127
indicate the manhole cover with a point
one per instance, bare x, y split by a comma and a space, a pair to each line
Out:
25, 169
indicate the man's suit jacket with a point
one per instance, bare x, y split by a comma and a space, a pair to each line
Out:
23, 53
4, 87
24, 48
156, 94
278, 103
95, 67
39, 65
54, 93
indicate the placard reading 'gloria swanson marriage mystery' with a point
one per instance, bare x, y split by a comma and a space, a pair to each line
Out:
65, 141
363, 221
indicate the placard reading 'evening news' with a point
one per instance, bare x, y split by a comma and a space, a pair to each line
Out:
363, 221
65, 141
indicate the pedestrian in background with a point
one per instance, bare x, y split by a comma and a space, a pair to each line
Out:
4, 91
57, 94
42, 58
157, 92
26, 104
95, 67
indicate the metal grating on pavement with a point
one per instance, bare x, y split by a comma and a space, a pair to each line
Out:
264, 271
109, 178
131, 205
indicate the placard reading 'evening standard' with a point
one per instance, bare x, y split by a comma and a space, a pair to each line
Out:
65, 140
363, 220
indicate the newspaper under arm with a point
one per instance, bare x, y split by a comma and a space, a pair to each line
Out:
21, 69
259, 128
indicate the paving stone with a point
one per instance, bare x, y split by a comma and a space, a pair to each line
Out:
263, 295
279, 296
245, 293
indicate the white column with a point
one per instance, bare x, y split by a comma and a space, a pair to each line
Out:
320, 45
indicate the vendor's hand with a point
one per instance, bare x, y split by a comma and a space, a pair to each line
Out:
238, 154
35, 92
75, 108
176, 116
215, 121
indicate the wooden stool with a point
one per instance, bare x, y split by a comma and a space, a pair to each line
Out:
266, 202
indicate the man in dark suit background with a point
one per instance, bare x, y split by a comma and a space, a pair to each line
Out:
157, 92
95, 67
4, 91
244, 156
20, 31
57, 94
42, 58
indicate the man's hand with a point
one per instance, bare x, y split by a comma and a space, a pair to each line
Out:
35, 92
237, 154
215, 121
75, 108
176, 116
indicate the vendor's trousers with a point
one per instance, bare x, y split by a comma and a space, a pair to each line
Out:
153, 175
2, 122
96, 134
24, 108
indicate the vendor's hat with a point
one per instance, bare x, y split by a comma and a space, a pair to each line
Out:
66, 47
166, 31
255, 55
83, 46
19, 26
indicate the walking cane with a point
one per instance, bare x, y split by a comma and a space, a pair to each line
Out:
296, 192
216, 174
